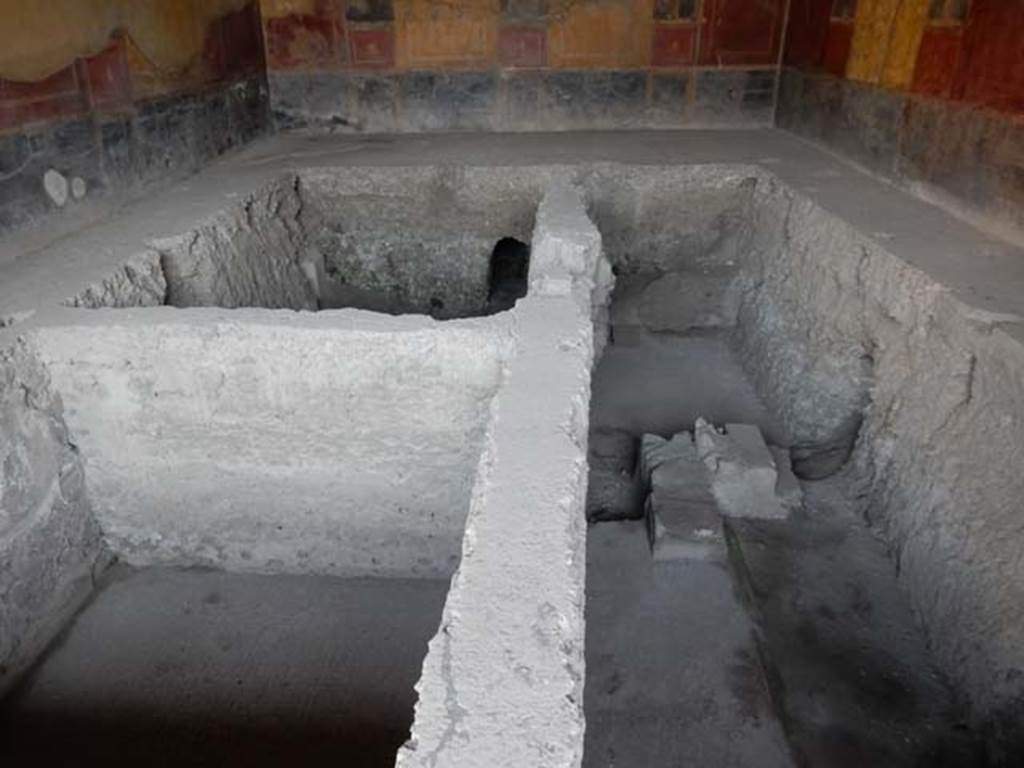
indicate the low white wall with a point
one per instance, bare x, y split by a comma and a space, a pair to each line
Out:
337, 442
502, 683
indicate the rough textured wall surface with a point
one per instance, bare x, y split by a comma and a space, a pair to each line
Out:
335, 443
49, 540
926, 392
255, 254
99, 97
930, 94
432, 65
415, 239
502, 683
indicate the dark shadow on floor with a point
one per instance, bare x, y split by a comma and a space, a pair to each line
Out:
201, 668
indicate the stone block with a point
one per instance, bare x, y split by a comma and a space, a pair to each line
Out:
656, 450
683, 522
685, 533
787, 487
743, 474
613, 450
613, 495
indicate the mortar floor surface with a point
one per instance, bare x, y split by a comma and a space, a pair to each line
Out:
169, 667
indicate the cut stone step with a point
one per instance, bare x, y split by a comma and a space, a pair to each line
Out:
742, 469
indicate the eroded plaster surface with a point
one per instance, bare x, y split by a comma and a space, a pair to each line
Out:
49, 539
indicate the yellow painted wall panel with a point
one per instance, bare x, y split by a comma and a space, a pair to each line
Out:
435, 33
886, 37
601, 33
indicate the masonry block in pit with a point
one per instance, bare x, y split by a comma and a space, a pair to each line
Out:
682, 517
742, 469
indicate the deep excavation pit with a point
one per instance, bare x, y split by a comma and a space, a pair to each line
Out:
228, 415
800, 647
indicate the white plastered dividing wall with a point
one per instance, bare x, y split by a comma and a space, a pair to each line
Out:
502, 684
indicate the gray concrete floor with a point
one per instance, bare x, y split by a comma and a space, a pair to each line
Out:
173, 667
854, 679
673, 677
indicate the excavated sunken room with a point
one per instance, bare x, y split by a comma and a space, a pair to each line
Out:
479, 384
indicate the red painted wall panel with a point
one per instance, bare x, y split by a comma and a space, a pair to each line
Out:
57, 96
993, 67
738, 32
107, 76
939, 61
837, 47
673, 45
807, 32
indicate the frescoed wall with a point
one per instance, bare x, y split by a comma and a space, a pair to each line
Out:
426, 65
928, 92
98, 95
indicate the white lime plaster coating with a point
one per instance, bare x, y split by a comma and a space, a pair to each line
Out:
502, 682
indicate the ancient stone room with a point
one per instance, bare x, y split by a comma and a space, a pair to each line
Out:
512, 383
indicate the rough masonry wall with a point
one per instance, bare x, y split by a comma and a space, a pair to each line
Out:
928, 93
433, 65
337, 443
415, 239
49, 540
98, 97
254, 254
842, 335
